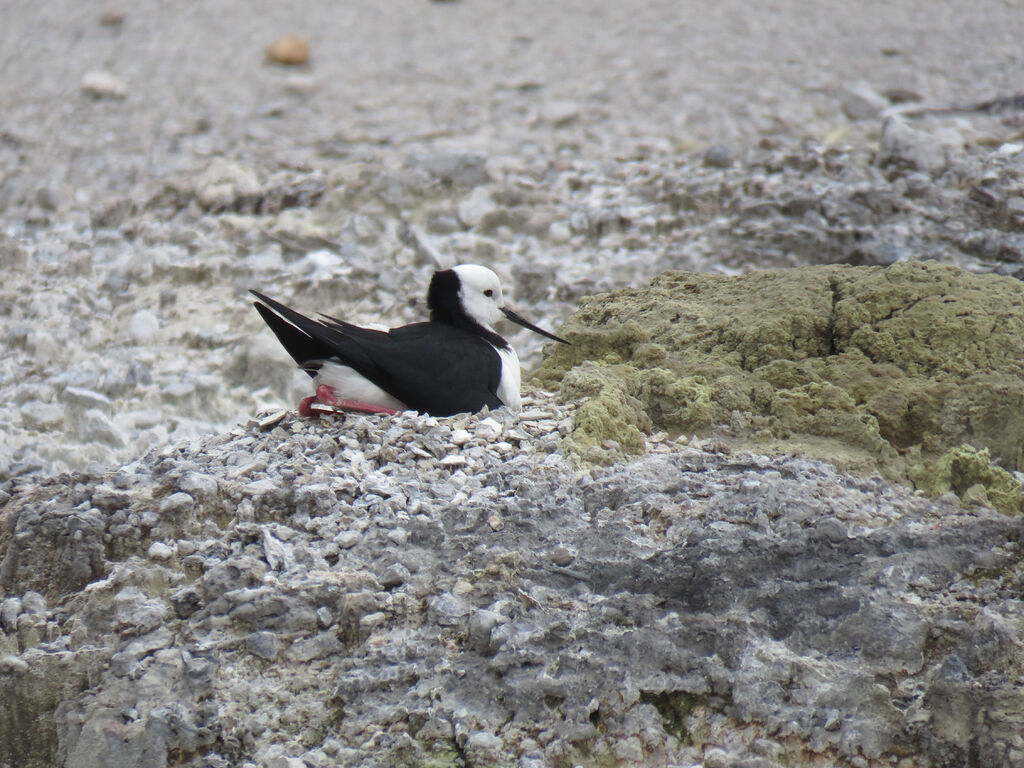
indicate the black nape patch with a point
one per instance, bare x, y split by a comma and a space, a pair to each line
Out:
443, 297
446, 307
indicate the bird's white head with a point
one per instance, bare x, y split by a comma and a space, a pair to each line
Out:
480, 294
471, 293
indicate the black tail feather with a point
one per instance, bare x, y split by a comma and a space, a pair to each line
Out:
299, 343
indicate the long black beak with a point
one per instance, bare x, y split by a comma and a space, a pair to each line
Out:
527, 324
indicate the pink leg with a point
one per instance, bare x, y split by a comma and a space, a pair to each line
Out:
306, 406
325, 396
356, 405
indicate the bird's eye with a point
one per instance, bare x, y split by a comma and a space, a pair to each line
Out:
489, 293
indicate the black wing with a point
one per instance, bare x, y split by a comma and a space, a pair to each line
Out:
431, 367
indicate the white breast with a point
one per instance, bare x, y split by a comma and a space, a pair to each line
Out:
508, 388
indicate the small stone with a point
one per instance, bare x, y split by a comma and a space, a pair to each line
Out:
473, 208
290, 50
1015, 207
716, 758
160, 551
33, 603
39, 415
559, 232
347, 539
112, 17
143, 326
102, 85
371, 620
459, 169
495, 522
96, 427
453, 461
718, 156
263, 644
489, 429
9, 611
562, 556
272, 419
461, 436
324, 619
560, 113
13, 665
85, 398
930, 152
396, 575
859, 101
227, 185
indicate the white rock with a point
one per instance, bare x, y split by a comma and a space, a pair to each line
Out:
13, 665
160, 551
143, 326
85, 398
41, 415
453, 460
559, 232
926, 151
224, 184
102, 85
489, 429
96, 427
559, 112
862, 102
477, 205
347, 539
461, 436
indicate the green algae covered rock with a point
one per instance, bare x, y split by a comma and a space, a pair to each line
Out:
875, 369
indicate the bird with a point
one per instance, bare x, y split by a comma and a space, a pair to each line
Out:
454, 363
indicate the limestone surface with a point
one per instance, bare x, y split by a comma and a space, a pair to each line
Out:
346, 594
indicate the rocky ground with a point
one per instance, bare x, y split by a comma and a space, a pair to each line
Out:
194, 607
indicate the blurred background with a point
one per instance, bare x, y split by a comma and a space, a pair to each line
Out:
159, 159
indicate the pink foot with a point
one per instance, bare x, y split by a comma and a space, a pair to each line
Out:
325, 401
356, 405
325, 395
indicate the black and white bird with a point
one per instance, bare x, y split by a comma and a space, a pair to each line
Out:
455, 363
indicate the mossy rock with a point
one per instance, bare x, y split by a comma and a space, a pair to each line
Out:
875, 369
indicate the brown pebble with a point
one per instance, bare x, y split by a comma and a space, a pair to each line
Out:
291, 50
112, 17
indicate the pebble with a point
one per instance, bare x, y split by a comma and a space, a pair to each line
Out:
13, 665
160, 551
290, 50
112, 17
718, 156
489, 429
263, 644
85, 398
39, 415
347, 539
562, 556
144, 326
473, 208
10, 609
860, 101
95, 426
102, 85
